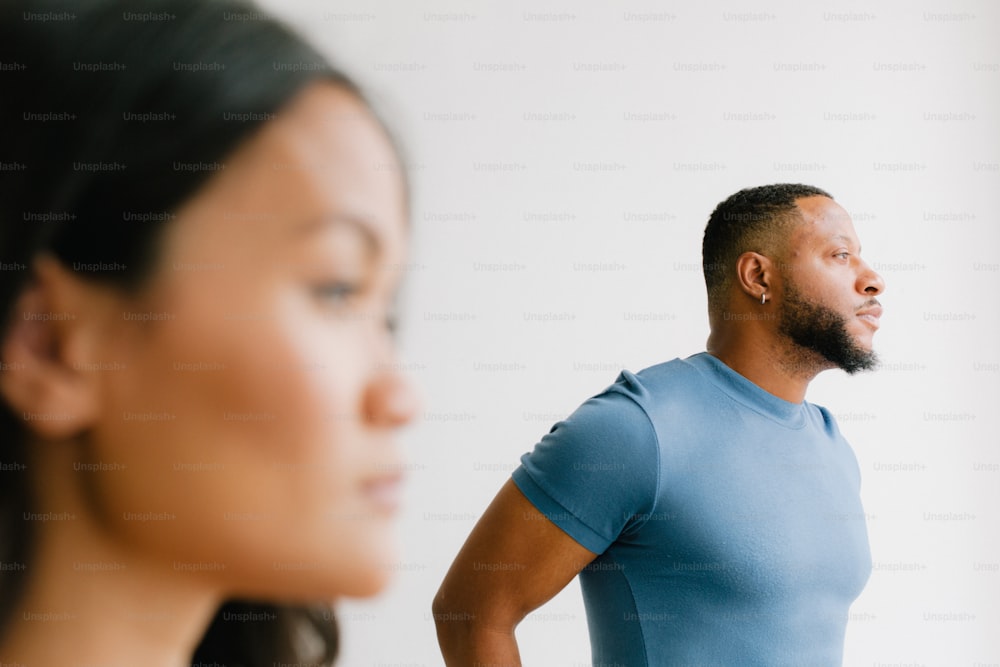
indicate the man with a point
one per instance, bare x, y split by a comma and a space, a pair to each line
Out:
712, 514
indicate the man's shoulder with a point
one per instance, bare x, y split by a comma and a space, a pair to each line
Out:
667, 370
823, 418
677, 378
627, 410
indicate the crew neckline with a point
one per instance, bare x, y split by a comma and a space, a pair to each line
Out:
747, 393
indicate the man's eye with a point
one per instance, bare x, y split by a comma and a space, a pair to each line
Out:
843, 255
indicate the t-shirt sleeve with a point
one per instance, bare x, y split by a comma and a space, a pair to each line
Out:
594, 474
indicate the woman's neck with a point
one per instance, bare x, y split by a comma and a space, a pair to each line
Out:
91, 600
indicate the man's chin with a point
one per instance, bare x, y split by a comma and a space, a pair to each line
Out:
858, 360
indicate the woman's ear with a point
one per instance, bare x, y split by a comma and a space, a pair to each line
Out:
51, 340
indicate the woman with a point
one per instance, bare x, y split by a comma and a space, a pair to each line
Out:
202, 229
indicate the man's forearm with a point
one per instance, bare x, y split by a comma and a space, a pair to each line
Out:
465, 641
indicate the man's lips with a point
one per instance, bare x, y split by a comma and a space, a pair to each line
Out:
871, 315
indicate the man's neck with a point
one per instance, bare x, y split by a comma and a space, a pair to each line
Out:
767, 363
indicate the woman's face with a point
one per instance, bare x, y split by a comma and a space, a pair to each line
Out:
257, 396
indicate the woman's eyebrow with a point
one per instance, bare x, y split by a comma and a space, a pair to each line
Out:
359, 224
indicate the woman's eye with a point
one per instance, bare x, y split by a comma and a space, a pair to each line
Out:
843, 255
336, 292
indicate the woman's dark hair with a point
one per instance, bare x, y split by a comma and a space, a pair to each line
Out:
113, 113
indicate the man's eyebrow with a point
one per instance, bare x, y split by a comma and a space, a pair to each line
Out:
846, 239
357, 223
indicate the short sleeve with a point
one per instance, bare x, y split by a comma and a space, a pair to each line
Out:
594, 473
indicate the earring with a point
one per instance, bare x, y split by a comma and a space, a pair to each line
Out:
763, 295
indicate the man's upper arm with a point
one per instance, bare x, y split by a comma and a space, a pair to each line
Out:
514, 561
596, 474
585, 482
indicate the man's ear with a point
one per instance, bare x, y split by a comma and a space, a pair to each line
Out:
754, 273
50, 343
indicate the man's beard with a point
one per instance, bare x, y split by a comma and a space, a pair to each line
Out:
815, 327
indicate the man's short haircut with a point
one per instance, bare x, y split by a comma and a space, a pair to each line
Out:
753, 219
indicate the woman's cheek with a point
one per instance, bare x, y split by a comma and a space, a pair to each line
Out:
260, 454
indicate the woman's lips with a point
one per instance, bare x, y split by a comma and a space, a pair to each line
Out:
384, 492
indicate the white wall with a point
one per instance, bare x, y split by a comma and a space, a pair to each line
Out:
565, 157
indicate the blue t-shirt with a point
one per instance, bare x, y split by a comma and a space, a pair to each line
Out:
728, 521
